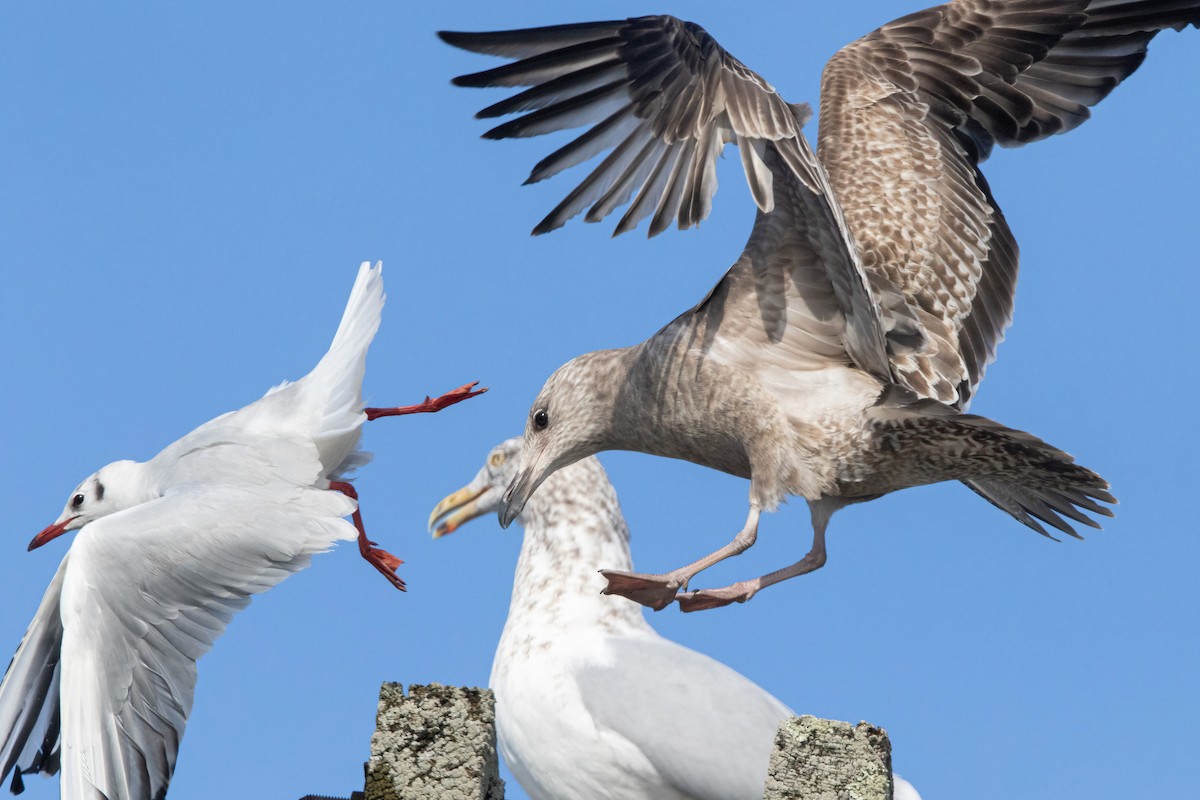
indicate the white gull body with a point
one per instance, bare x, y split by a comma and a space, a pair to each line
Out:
591, 702
168, 550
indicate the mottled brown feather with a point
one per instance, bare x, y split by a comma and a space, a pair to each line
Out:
909, 111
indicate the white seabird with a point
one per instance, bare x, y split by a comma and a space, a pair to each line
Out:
168, 550
591, 702
837, 357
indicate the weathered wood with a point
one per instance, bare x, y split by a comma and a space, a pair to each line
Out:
438, 743
821, 759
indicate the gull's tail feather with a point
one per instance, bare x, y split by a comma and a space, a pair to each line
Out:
1015, 471
1033, 505
335, 384
29, 709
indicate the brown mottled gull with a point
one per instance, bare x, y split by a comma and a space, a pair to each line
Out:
590, 700
836, 358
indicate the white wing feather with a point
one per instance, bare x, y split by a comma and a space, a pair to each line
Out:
29, 717
683, 690
145, 594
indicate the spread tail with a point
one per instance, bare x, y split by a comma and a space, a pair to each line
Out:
1017, 472
340, 371
335, 384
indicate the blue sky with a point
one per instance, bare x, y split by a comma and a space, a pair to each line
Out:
189, 189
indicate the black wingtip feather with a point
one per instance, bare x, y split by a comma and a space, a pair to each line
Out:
546, 225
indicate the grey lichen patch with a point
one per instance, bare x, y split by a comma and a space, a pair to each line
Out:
820, 759
438, 743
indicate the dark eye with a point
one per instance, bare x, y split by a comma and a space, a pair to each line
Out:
541, 419
77, 501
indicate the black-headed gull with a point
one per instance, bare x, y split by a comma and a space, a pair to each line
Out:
590, 701
168, 550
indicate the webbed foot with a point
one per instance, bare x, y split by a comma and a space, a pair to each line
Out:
383, 561
704, 599
654, 591
430, 404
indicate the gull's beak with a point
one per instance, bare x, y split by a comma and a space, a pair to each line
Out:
517, 495
455, 509
52, 532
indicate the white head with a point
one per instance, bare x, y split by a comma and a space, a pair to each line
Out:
482, 495
571, 419
114, 488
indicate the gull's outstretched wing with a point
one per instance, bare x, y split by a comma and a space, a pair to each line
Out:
907, 114
665, 98
145, 593
29, 712
657, 91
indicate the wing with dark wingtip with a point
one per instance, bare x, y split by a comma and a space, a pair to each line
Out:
657, 92
145, 593
907, 114
664, 97
29, 710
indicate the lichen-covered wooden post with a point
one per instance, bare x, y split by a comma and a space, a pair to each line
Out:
439, 743
821, 759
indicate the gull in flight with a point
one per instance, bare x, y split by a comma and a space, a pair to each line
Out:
837, 358
590, 700
168, 550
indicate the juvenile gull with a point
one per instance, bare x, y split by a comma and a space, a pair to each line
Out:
168, 550
837, 357
590, 701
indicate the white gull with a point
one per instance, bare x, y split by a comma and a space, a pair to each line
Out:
168, 550
591, 702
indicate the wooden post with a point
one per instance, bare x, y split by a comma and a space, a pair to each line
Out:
439, 743
821, 759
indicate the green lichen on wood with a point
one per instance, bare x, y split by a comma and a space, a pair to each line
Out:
438, 743
820, 759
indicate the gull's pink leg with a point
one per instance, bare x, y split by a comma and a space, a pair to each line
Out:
659, 591
382, 560
430, 404
742, 591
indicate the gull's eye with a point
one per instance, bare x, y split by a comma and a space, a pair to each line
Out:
541, 419
77, 501
496, 460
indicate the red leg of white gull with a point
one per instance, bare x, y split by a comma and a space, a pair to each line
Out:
382, 560
429, 405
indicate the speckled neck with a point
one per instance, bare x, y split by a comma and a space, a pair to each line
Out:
573, 528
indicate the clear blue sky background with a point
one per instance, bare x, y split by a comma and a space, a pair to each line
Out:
188, 190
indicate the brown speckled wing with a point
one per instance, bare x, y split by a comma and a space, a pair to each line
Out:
665, 97
907, 114
657, 92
